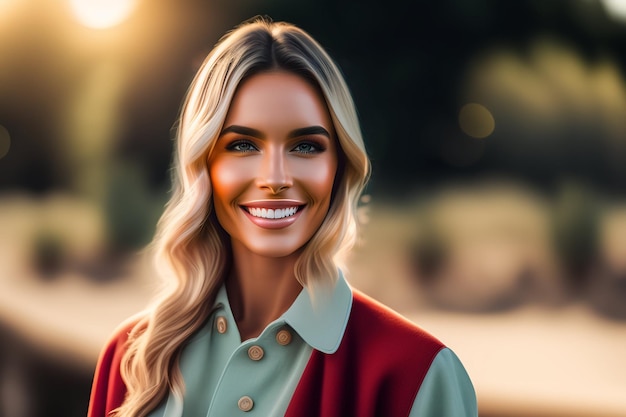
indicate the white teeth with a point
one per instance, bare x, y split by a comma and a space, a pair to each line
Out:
272, 213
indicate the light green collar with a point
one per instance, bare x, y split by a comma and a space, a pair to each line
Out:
320, 320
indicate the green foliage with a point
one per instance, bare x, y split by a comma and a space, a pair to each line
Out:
131, 207
575, 224
49, 253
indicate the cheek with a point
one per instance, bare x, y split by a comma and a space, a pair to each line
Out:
326, 176
227, 179
318, 178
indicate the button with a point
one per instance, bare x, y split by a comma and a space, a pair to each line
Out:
255, 353
283, 337
245, 403
221, 324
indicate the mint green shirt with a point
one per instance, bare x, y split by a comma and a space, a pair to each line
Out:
257, 377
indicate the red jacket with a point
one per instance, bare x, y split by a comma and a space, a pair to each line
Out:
377, 370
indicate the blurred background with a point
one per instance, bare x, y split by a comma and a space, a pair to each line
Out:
496, 216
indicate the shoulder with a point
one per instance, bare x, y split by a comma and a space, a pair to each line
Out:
108, 388
119, 339
403, 350
370, 319
446, 390
379, 366
385, 343
121, 335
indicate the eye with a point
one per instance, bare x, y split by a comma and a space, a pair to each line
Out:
242, 146
308, 148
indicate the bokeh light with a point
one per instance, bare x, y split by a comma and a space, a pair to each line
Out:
476, 120
5, 141
616, 8
101, 14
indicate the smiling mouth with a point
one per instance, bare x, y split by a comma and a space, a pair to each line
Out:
276, 213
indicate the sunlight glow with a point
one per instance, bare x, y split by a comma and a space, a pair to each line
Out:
101, 14
616, 8
5, 7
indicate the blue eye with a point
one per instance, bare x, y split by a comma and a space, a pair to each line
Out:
307, 148
242, 146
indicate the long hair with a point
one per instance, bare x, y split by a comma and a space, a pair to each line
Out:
191, 250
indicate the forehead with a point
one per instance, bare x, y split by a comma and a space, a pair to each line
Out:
275, 99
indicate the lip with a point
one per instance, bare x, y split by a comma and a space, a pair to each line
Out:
273, 204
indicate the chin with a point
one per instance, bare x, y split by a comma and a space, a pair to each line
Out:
276, 248
276, 252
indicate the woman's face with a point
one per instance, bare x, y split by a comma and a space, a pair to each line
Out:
274, 163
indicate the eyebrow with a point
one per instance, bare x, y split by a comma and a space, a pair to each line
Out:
303, 131
310, 130
242, 130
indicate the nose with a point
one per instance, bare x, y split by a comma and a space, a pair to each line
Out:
274, 176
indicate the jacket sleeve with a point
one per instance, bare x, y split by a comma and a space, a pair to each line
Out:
108, 390
446, 390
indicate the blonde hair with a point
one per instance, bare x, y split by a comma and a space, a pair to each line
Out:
191, 249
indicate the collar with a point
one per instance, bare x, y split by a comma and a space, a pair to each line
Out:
318, 315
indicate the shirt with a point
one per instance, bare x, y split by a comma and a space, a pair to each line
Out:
257, 377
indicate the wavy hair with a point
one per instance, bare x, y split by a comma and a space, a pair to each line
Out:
192, 251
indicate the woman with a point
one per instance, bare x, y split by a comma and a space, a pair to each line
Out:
258, 318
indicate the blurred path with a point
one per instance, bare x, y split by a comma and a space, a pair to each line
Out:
68, 316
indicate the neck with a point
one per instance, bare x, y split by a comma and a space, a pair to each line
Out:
260, 289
